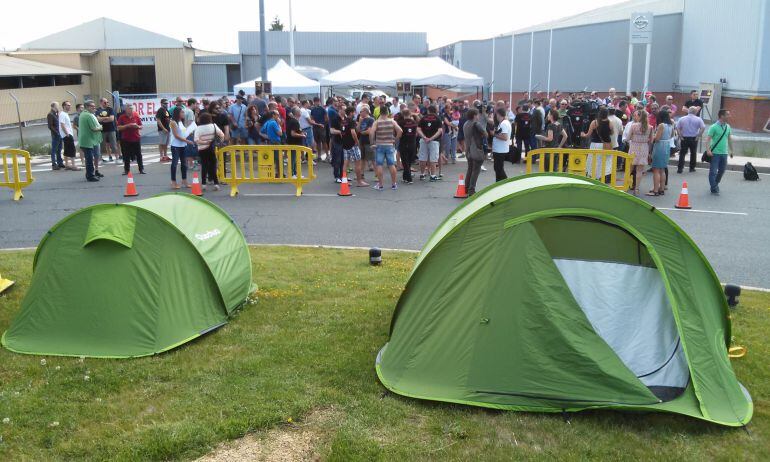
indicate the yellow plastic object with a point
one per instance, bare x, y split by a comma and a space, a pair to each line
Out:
591, 163
5, 284
737, 352
11, 176
240, 161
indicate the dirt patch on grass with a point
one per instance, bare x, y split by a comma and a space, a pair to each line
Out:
295, 441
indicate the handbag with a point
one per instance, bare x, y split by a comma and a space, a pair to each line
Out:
704, 157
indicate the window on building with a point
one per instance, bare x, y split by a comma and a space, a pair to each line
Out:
60, 80
9, 83
34, 81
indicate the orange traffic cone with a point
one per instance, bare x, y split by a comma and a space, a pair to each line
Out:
344, 186
684, 198
130, 186
196, 186
461, 193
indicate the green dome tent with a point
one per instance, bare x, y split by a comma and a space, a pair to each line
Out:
135, 279
556, 293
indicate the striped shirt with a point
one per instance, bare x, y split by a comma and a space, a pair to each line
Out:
385, 133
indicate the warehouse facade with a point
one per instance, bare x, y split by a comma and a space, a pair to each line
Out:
693, 42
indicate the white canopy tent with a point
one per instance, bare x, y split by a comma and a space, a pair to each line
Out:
285, 80
385, 72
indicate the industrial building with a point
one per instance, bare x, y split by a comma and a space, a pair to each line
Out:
716, 42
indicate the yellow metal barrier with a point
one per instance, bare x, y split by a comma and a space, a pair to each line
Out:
601, 164
11, 177
264, 164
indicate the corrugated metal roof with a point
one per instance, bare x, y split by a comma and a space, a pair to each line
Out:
13, 67
618, 12
103, 34
52, 52
337, 43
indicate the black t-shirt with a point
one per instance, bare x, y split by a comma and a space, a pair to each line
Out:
348, 127
522, 122
556, 128
408, 126
164, 118
694, 102
336, 124
430, 125
292, 125
106, 112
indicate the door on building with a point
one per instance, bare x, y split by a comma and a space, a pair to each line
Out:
133, 74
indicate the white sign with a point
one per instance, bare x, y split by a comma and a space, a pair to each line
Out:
640, 28
146, 108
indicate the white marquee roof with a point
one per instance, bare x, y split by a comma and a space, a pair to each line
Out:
285, 80
387, 71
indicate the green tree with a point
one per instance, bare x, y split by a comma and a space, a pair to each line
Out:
276, 24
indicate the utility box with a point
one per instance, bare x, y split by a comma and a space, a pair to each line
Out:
711, 95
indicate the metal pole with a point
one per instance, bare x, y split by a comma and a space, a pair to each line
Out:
291, 38
531, 50
510, 87
18, 117
630, 65
647, 68
262, 39
492, 80
550, 47
74, 98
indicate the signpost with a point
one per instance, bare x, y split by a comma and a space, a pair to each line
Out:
639, 33
266, 87
404, 88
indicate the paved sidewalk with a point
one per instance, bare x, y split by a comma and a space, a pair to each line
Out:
736, 163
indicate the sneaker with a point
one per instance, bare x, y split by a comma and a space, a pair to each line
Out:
92, 179
483, 169
378, 187
408, 182
55, 167
692, 170
110, 160
422, 176
216, 187
99, 174
394, 186
142, 172
433, 178
338, 180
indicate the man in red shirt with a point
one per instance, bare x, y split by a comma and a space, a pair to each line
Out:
129, 126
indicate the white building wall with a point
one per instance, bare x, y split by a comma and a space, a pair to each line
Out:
720, 39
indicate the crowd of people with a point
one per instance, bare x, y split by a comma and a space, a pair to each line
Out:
417, 136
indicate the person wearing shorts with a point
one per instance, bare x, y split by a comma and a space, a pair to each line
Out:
162, 120
365, 122
350, 150
429, 130
384, 134
106, 116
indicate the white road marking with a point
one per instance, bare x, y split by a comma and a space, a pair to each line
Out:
287, 195
704, 211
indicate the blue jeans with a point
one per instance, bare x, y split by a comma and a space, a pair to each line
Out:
89, 154
716, 170
338, 159
385, 153
450, 146
178, 157
308, 137
56, 144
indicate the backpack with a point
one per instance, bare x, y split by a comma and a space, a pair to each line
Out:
750, 172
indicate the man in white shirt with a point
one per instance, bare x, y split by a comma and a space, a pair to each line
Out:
501, 143
305, 123
616, 128
364, 100
67, 136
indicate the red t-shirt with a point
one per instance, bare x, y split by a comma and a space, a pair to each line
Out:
282, 112
130, 134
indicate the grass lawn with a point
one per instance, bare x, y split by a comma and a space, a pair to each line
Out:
296, 367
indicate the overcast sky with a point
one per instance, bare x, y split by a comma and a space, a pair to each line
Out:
215, 25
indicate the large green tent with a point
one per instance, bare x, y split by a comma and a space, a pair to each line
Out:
135, 279
556, 293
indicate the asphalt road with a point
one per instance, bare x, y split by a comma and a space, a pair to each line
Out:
732, 229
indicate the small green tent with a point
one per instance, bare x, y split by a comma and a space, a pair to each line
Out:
135, 279
556, 293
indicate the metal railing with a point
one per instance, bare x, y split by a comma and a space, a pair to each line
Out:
11, 177
243, 164
600, 164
